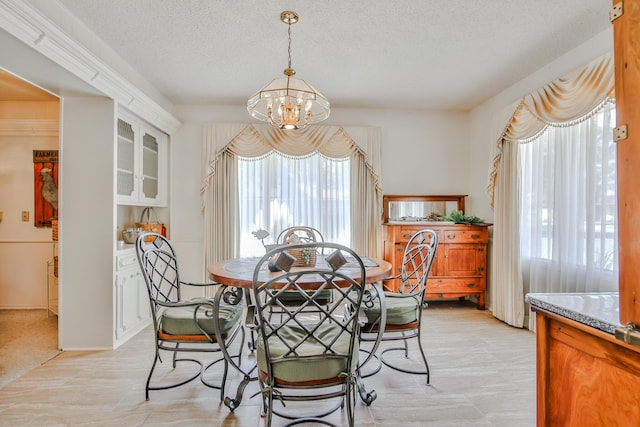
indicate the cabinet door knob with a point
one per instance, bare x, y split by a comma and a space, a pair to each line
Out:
399, 250
451, 236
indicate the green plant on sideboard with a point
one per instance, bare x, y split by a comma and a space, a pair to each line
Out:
460, 218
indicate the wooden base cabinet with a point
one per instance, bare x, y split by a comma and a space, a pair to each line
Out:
585, 377
460, 267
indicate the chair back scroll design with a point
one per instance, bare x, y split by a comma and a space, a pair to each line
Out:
416, 263
315, 351
403, 308
185, 326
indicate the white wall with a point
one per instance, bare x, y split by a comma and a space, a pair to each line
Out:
423, 152
24, 248
87, 224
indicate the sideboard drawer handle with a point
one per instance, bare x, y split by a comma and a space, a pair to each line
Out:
399, 250
407, 236
475, 236
451, 236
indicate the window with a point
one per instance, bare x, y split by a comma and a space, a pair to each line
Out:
568, 210
278, 191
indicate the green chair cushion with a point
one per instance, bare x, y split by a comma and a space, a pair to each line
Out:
312, 368
400, 310
179, 320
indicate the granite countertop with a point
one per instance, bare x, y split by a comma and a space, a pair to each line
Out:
598, 310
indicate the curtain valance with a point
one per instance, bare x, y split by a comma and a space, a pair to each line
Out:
257, 140
562, 102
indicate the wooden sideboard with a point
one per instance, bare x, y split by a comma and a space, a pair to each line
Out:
460, 267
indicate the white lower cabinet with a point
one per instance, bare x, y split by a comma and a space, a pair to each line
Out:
132, 302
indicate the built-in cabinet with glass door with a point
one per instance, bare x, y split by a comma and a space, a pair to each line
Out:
142, 163
142, 181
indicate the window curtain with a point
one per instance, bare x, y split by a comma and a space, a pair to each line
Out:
568, 214
565, 101
223, 142
277, 191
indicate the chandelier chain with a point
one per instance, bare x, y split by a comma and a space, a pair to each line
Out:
289, 34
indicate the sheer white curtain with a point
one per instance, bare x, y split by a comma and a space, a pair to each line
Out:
224, 143
568, 208
278, 191
563, 102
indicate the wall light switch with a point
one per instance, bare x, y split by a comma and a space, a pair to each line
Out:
25, 215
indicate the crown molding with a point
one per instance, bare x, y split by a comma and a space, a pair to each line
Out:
21, 128
28, 25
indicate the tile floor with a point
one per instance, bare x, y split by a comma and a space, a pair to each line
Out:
482, 374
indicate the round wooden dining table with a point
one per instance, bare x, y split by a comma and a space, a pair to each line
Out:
239, 272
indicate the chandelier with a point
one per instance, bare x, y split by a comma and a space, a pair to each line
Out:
288, 102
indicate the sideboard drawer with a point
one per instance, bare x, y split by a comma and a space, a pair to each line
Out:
447, 285
404, 233
452, 235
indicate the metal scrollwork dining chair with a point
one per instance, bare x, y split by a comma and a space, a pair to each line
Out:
199, 325
404, 307
305, 356
294, 236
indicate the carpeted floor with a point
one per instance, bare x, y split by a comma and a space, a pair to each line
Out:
28, 338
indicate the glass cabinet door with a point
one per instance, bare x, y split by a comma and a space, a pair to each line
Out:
150, 166
126, 159
141, 163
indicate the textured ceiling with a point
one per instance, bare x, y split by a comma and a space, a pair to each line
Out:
446, 54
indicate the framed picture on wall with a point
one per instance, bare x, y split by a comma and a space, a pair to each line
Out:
45, 181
